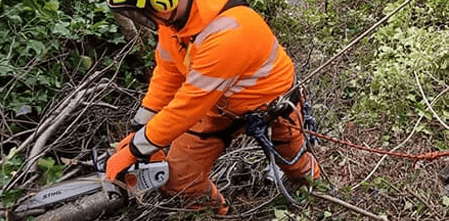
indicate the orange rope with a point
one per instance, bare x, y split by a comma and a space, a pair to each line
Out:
422, 156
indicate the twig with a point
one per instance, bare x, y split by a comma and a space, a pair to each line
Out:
16, 135
46, 123
228, 179
249, 212
4, 119
349, 206
69, 175
101, 104
428, 104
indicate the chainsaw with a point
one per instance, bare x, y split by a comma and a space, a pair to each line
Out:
99, 195
86, 198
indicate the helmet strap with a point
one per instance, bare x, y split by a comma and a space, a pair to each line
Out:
180, 23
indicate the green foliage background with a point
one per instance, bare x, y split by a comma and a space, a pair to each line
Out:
39, 42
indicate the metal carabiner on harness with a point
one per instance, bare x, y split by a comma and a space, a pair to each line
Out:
257, 128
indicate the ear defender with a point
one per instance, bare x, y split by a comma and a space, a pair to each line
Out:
164, 5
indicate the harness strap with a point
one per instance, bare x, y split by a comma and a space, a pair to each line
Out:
233, 3
225, 134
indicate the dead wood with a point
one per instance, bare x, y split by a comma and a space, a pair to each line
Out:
37, 149
86, 208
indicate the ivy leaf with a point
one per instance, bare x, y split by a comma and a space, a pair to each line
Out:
24, 110
408, 205
5, 68
51, 172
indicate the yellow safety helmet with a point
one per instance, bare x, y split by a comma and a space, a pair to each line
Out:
147, 13
156, 5
143, 12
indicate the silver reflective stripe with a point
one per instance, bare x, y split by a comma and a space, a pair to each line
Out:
217, 25
143, 115
209, 83
142, 144
263, 71
163, 53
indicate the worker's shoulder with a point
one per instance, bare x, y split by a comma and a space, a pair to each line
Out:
245, 17
236, 25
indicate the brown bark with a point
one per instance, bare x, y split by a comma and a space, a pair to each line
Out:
86, 208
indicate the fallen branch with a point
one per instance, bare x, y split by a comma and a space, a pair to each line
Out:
65, 113
53, 114
46, 123
349, 206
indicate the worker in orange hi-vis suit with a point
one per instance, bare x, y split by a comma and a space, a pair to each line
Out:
215, 59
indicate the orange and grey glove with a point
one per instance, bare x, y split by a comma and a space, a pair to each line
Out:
139, 147
119, 162
124, 142
125, 155
141, 118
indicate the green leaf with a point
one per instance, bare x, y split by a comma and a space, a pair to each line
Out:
12, 153
51, 172
46, 163
408, 205
279, 214
87, 61
37, 46
50, 10
10, 197
445, 201
62, 29
52, 6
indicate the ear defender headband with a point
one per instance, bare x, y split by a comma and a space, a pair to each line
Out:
157, 5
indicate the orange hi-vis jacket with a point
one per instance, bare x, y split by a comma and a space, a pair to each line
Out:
230, 60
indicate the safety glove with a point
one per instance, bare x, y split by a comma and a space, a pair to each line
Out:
125, 155
125, 142
139, 148
119, 162
142, 116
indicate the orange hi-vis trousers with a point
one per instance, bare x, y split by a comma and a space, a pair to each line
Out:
191, 159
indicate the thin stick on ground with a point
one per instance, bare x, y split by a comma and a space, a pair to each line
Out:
429, 106
347, 205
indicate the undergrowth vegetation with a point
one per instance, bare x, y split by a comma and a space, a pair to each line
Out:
391, 85
40, 48
409, 71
